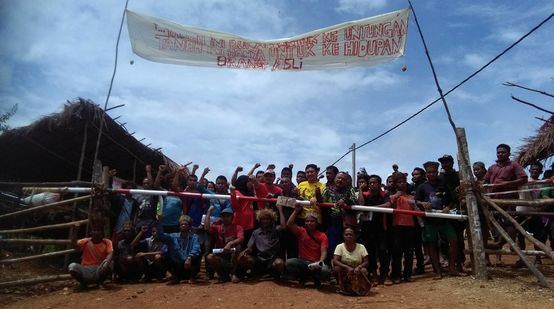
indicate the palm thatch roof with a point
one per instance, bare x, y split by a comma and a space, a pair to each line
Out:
538, 147
50, 149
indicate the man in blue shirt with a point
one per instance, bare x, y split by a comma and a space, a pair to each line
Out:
184, 252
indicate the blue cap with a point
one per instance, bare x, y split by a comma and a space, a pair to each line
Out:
227, 210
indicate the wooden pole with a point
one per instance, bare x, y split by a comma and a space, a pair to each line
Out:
535, 203
35, 280
96, 179
354, 165
504, 252
42, 207
73, 230
36, 241
516, 224
135, 171
38, 256
46, 184
502, 232
44, 227
477, 242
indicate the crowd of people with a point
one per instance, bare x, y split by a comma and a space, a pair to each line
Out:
167, 238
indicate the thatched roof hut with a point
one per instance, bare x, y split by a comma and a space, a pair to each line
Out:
50, 149
538, 147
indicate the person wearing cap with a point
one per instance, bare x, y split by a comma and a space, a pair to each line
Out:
228, 238
433, 195
184, 252
451, 178
264, 254
267, 188
312, 248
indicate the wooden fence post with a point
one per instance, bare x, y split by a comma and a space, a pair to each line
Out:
477, 242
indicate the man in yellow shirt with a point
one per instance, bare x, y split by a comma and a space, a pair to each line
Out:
310, 190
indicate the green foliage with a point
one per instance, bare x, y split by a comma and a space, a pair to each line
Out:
5, 117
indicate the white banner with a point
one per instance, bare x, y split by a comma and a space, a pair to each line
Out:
363, 42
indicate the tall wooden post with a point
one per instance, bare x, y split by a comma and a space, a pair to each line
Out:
72, 230
354, 164
477, 242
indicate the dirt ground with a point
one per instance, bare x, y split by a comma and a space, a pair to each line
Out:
509, 288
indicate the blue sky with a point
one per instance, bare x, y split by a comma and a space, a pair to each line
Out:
53, 51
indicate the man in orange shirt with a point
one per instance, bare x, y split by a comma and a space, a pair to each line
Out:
96, 259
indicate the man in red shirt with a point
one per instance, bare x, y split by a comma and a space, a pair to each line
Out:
506, 175
96, 259
267, 188
228, 238
312, 248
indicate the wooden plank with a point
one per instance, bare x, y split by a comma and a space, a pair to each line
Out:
42, 207
35, 280
36, 241
535, 203
38, 256
45, 227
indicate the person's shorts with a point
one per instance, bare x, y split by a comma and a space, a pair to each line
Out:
432, 230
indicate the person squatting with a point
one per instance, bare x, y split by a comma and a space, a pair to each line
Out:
167, 238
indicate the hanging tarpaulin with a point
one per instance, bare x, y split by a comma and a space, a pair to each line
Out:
363, 42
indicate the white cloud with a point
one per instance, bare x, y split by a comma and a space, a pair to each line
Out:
360, 7
474, 61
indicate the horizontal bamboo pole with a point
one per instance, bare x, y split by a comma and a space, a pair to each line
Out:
47, 184
504, 252
270, 200
534, 203
35, 280
45, 227
528, 213
42, 207
36, 241
38, 256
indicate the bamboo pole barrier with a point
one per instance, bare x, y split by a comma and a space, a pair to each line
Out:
77, 183
516, 224
36, 241
505, 252
42, 207
535, 203
529, 213
38, 256
502, 232
35, 280
416, 213
44, 227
